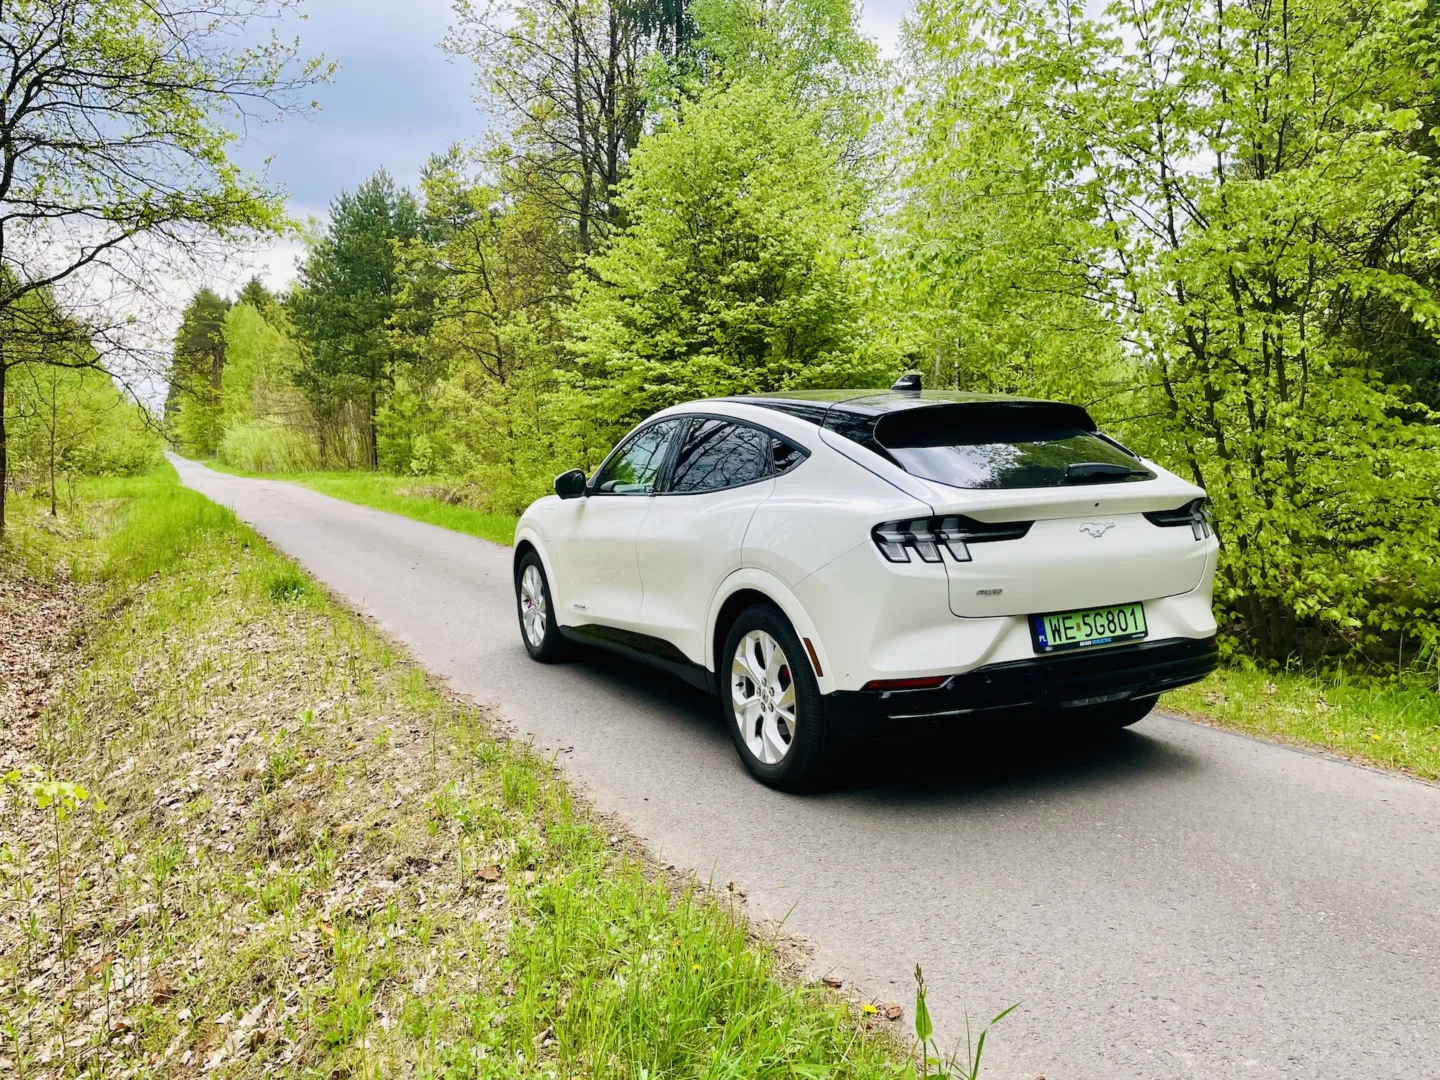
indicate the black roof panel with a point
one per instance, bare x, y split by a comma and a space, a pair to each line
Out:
873, 401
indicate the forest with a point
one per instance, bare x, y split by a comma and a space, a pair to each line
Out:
1213, 225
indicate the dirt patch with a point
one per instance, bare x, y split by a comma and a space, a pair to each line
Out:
40, 628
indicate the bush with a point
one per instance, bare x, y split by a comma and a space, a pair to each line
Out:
268, 447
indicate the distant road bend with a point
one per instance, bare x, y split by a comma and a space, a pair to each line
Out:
1176, 902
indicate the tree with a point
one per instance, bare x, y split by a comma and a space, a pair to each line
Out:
254, 293
197, 367
1236, 181
481, 313
75, 420
113, 139
345, 296
731, 275
811, 49
567, 76
34, 333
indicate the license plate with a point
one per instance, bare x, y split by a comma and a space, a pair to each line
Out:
1087, 627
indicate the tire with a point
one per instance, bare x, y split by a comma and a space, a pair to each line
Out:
535, 609
1122, 714
787, 748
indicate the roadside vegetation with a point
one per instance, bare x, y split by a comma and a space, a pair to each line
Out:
1393, 723
434, 500
242, 834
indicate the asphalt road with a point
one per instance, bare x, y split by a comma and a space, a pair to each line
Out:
1174, 902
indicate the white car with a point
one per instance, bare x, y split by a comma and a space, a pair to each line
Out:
850, 564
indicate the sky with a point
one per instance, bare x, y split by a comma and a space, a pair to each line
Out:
396, 99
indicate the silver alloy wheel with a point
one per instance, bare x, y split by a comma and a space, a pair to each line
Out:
532, 605
763, 691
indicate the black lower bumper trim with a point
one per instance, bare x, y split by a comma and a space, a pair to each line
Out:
1074, 680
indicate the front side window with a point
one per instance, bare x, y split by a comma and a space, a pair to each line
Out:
635, 468
720, 454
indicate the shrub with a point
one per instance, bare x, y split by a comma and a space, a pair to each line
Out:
266, 446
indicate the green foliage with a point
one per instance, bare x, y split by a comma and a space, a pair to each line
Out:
289, 584
73, 421
117, 122
732, 274
196, 373
1227, 186
810, 50
341, 305
265, 446
481, 315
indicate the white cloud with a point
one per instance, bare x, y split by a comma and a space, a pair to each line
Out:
881, 20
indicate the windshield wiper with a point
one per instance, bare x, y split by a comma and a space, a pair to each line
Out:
1101, 472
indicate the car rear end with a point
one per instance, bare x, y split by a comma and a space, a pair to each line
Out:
1054, 571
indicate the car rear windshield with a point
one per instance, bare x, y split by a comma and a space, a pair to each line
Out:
978, 447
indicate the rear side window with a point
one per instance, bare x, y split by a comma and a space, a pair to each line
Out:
784, 455
986, 448
718, 454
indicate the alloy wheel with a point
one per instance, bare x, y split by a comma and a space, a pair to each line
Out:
532, 605
762, 689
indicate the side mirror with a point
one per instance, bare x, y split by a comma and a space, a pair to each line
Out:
570, 485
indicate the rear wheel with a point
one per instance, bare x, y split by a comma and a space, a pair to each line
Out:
1122, 714
538, 628
772, 702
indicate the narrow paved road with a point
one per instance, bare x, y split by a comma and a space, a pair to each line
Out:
1177, 902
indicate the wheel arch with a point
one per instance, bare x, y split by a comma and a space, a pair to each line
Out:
526, 541
745, 588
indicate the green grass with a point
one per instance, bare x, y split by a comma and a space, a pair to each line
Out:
1393, 726
310, 861
404, 495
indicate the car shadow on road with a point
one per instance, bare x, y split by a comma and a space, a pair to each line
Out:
1022, 763
982, 761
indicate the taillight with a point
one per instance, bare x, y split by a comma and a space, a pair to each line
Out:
928, 536
1195, 513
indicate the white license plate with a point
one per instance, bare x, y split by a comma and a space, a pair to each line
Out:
1088, 627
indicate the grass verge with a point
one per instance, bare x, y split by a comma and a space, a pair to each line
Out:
428, 499
249, 837
1391, 726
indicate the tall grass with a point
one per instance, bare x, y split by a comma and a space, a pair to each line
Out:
263, 447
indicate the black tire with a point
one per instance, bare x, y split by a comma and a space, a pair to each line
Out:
1122, 714
807, 762
552, 645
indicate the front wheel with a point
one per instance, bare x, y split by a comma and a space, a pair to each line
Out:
772, 702
536, 609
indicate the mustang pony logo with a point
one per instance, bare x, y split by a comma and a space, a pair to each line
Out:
1097, 529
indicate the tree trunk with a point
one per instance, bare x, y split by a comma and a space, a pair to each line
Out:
54, 422
374, 441
4, 452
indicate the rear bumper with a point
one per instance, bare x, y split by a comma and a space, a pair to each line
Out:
1067, 681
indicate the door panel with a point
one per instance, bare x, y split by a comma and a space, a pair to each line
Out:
693, 537
596, 556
